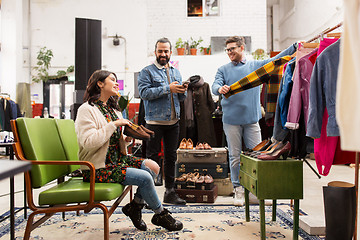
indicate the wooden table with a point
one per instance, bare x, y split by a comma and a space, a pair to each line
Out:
9, 168
272, 179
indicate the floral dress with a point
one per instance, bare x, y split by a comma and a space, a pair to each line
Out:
115, 162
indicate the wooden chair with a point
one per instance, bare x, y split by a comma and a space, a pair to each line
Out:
51, 146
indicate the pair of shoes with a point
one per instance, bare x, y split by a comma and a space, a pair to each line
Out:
164, 219
173, 198
208, 178
182, 178
159, 180
271, 148
203, 146
186, 144
282, 150
136, 131
239, 196
133, 211
148, 131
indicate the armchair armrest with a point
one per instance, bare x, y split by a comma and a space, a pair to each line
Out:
67, 162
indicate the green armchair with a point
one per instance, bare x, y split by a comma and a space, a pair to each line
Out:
51, 146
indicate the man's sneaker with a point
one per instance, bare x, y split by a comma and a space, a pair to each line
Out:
164, 219
239, 196
173, 198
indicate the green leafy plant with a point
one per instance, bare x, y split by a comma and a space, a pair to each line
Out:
43, 64
194, 43
259, 54
206, 49
179, 43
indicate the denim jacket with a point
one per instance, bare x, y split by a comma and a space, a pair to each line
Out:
154, 89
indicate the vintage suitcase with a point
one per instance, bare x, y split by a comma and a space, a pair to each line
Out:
198, 196
225, 187
215, 155
216, 170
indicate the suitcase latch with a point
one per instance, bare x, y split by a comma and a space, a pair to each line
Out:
182, 168
219, 169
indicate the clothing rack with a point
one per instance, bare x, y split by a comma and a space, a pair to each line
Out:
321, 35
356, 153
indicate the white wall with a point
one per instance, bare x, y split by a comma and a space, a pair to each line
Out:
308, 19
141, 22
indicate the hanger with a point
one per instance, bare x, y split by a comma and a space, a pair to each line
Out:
334, 35
310, 45
326, 31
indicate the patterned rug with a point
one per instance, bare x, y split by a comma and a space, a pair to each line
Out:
200, 222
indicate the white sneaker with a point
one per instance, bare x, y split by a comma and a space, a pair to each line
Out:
239, 196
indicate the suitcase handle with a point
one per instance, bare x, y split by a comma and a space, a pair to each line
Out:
201, 155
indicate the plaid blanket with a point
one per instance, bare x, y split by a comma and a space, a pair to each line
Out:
271, 74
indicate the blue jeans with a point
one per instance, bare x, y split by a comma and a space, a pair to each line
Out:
251, 134
144, 179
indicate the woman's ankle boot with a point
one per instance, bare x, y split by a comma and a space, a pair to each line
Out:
164, 219
133, 211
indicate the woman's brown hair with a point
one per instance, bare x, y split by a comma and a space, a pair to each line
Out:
92, 92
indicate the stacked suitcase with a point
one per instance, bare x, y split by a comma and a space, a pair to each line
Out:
213, 162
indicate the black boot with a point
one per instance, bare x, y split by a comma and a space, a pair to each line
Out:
164, 219
159, 180
173, 198
340, 205
133, 211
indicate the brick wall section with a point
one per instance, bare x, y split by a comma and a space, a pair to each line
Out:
246, 17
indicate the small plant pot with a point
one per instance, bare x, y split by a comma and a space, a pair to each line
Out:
180, 51
207, 51
193, 51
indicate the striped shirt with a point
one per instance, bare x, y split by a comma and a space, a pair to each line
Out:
271, 74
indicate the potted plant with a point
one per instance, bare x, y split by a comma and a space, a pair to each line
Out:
193, 45
180, 46
43, 63
206, 50
260, 54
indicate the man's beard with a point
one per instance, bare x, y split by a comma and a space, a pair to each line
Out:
162, 60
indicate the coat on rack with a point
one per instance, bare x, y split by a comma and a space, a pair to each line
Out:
203, 105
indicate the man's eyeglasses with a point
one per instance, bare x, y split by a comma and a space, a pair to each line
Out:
229, 50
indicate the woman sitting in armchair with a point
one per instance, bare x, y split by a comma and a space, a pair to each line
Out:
99, 126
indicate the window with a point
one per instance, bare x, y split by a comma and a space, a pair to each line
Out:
202, 8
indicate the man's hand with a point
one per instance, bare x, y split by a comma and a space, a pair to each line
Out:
176, 88
224, 89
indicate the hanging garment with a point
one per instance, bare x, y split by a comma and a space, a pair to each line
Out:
299, 99
323, 89
270, 73
348, 85
323, 86
197, 111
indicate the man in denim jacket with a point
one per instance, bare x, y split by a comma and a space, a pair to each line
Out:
161, 90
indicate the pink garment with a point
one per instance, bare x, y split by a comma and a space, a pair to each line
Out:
327, 149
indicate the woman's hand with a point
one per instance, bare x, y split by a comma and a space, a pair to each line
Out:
128, 139
122, 122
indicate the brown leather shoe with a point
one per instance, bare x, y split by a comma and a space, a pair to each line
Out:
148, 131
136, 132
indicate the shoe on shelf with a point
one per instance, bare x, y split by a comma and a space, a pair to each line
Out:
261, 145
182, 178
183, 144
164, 219
283, 151
133, 211
208, 179
239, 196
172, 198
158, 180
189, 144
201, 179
